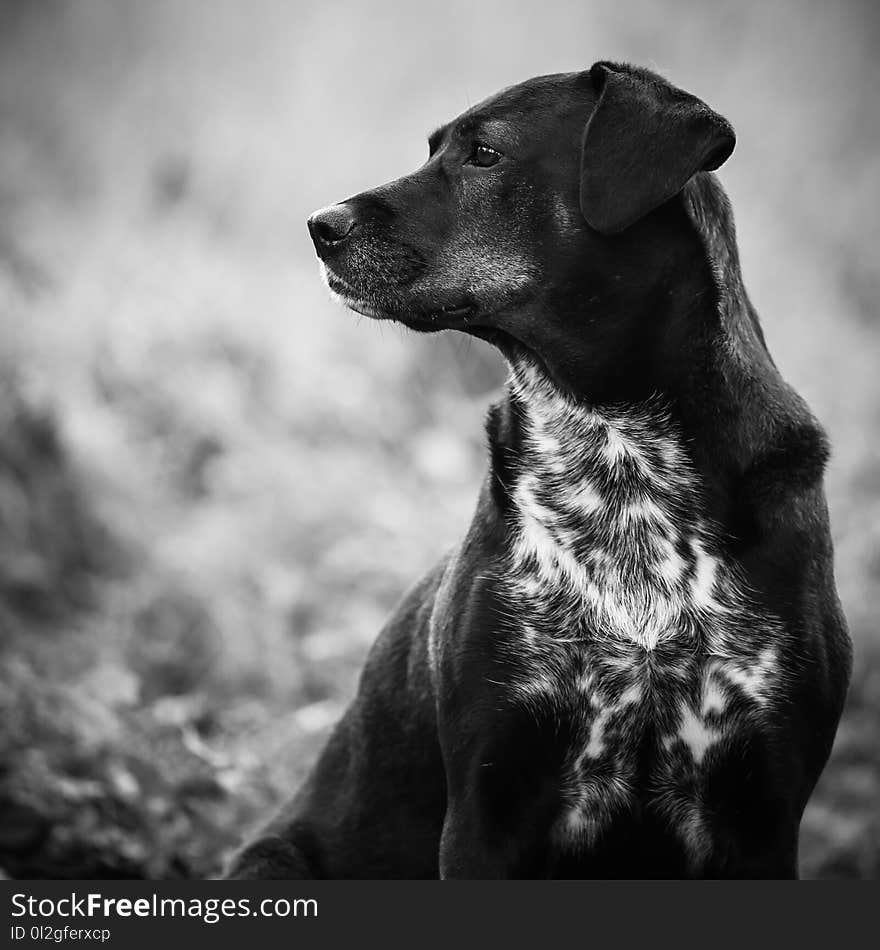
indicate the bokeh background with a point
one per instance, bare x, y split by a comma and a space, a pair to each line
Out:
214, 484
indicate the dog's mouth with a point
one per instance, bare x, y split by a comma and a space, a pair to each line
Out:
455, 315
464, 315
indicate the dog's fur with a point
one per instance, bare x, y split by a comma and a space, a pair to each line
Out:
635, 663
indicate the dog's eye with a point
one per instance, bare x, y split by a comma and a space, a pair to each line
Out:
483, 157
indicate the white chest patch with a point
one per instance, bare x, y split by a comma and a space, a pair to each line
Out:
631, 620
606, 519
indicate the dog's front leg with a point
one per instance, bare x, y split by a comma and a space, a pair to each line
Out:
501, 757
468, 850
497, 826
501, 802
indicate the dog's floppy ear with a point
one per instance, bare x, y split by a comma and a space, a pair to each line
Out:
643, 141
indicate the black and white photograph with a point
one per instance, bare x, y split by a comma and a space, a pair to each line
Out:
439, 441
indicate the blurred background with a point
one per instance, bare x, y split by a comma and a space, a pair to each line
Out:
214, 484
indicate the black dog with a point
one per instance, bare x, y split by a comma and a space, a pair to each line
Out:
635, 663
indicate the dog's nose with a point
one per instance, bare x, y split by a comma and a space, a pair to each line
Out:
331, 226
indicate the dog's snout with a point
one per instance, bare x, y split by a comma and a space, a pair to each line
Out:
331, 226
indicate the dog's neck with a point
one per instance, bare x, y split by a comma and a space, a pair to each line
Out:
699, 352
710, 393
606, 515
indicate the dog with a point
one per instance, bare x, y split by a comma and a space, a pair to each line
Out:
635, 663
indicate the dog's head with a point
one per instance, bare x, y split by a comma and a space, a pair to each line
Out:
537, 221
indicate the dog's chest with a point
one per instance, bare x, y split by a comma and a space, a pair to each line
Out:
630, 626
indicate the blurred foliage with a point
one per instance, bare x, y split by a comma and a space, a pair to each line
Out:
213, 486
